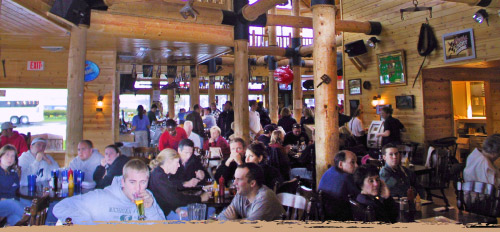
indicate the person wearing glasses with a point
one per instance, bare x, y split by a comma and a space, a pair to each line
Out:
398, 178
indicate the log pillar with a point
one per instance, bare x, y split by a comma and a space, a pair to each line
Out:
76, 83
326, 113
241, 75
273, 85
171, 74
297, 79
211, 90
194, 87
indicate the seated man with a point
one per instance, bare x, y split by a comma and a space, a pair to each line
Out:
253, 201
87, 160
188, 127
191, 171
229, 165
480, 163
337, 184
36, 162
296, 136
398, 178
172, 136
9, 136
115, 202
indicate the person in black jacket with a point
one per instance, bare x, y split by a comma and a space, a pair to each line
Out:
225, 119
229, 165
195, 117
164, 188
257, 153
375, 193
286, 121
111, 166
191, 170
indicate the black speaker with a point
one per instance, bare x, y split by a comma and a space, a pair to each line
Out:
75, 11
355, 48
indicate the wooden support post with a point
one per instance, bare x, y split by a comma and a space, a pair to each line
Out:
76, 83
251, 12
240, 103
273, 85
171, 100
194, 87
297, 79
326, 113
211, 90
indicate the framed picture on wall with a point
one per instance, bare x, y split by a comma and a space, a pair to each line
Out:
354, 86
459, 45
391, 68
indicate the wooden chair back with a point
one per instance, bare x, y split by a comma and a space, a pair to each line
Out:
314, 203
295, 206
145, 152
37, 213
479, 198
361, 212
287, 186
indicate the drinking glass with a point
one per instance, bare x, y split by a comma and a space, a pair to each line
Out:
139, 203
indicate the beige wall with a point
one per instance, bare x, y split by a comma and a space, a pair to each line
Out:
398, 34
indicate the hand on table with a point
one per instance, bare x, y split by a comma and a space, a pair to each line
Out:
230, 213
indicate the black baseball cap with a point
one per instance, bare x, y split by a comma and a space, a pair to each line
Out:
296, 125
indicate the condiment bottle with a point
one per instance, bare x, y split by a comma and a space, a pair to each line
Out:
418, 203
221, 187
216, 189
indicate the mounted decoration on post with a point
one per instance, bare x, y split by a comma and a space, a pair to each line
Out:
283, 75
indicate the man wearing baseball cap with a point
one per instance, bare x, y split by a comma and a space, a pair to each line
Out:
9, 136
296, 136
36, 162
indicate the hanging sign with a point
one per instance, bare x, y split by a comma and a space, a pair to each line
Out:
35, 65
91, 71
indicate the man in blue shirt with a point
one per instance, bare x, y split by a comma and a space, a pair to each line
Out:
337, 184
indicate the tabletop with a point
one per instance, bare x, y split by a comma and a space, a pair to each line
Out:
427, 214
43, 187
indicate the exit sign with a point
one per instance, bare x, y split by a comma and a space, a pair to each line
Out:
35, 65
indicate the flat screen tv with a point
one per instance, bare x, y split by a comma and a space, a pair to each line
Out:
405, 102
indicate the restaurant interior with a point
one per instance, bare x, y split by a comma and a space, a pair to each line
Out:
356, 55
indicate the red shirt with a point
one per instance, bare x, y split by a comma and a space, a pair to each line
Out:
221, 142
16, 140
169, 141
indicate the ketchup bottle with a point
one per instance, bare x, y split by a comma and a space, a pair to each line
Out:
222, 186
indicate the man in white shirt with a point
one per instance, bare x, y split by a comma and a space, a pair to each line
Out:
254, 119
480, 164
188, 127
87, 160
36, 162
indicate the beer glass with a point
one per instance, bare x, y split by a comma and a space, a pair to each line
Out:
139, 203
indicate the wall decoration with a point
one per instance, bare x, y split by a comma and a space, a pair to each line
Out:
405, 102
459, 45
354, 87
91, 71
392, 68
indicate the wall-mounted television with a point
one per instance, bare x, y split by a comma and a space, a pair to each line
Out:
405, 102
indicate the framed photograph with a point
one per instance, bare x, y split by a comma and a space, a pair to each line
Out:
355, 87
405, 102
459, 45
392, 68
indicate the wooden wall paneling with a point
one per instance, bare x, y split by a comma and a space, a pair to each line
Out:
438, 113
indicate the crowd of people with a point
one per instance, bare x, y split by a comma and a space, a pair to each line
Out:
278, 153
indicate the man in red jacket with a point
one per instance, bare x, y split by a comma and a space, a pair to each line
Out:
9, 136
172, 136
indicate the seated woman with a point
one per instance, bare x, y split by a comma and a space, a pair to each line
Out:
10, 208
257, 153
375, 193
111, 166
278, 157
165, 190
216, 140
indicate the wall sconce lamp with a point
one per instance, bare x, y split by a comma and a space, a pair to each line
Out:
372, 42
480, 16
99, 104
377, 100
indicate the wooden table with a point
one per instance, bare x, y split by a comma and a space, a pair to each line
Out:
427, 212
54, 196
420, 169
216, 202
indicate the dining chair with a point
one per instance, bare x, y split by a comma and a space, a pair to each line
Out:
145, 152
315, 206
439, 176
479, 198
361, 212
37, 213
295, 206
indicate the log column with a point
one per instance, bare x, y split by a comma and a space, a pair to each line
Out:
171, 74
297, 79
326, 115
76, 82
194, 87
240, 103
211, 90
273, 85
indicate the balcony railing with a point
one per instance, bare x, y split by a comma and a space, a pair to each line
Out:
283, 41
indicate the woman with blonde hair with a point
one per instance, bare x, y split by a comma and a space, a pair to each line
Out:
286, 121
164, 188
10, 208
216, 140
307, 117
